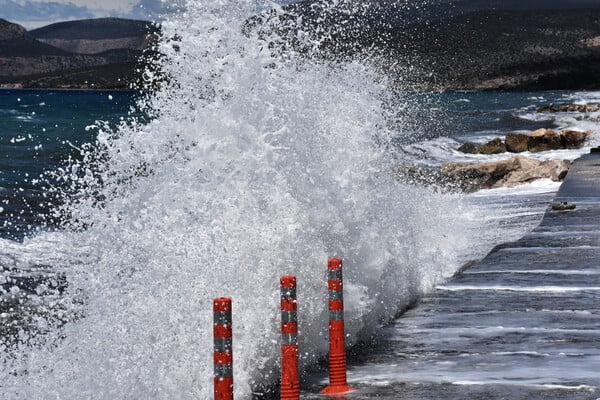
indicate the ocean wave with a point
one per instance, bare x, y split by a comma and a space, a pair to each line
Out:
256, 164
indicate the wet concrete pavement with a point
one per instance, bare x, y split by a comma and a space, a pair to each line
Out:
523, 323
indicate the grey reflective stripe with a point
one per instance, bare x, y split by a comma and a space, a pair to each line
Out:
335, 274
222, 317
289, 316
336, 295
288, 293
336, 315
289, 338
223, 371
223, 344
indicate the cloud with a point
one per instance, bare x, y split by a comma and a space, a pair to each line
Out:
36, 13
152, 9
94, 5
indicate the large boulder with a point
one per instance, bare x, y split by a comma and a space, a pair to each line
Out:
543, 140
494, 146
468, 147
573, 139
531, 169
538, 140
516, 142
509, 172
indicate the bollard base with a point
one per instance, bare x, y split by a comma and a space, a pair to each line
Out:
337, 390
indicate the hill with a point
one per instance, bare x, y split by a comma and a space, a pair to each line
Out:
418, 49
103, 53
15, 41
511, 49
549, 49
98, 35
95, 29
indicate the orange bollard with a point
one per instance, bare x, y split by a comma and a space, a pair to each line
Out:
223, 349
290, 381
337, 343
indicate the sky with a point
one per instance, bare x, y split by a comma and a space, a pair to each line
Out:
36, 13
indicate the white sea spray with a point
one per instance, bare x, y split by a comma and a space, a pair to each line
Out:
255, 165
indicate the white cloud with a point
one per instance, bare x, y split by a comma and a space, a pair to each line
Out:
37, 13
118, 6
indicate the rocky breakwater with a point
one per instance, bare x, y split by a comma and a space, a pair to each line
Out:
511, 172
536, 141
473, 176
551, 108
519, 169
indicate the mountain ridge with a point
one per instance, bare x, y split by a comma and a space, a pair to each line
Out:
15, 41
94, 29
481, 50
104, 53
510, 50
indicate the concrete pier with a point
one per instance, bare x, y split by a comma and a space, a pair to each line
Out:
523, 323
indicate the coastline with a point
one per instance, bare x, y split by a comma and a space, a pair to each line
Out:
479, 51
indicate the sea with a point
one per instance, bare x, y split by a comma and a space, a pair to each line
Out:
124, 214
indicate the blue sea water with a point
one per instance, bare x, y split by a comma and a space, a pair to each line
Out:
461, 114
40, 130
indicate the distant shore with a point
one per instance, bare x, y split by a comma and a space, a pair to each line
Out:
105, 53
480, 51
500, 50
